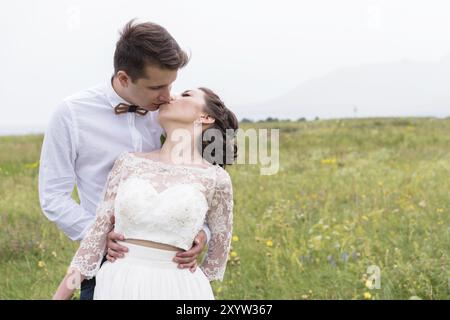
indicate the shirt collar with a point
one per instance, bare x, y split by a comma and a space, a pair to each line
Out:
113, 98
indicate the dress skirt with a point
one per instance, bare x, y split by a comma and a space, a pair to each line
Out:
149, 274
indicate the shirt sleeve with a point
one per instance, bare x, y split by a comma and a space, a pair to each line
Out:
88, 258
220, 221
57, 175
207, 232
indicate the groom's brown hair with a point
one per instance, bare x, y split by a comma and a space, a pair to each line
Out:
147, 43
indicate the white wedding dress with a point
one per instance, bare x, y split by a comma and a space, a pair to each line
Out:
165, 203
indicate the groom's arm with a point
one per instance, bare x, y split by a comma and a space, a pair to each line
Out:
207, 232
188, 259
57, 176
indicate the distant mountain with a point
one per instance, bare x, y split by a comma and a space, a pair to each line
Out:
403, 88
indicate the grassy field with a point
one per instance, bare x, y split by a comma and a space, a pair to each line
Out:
349, 194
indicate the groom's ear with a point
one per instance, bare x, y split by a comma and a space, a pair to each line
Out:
124, 78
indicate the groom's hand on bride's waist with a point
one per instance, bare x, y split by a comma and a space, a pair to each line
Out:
114, 250
188, 259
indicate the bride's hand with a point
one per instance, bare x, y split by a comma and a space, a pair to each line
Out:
188, 259
66, 288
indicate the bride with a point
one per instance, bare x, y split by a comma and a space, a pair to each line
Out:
160, 202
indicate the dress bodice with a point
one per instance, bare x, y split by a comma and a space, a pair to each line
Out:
162, 202
169, 212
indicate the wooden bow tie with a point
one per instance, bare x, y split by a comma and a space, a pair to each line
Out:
124, 108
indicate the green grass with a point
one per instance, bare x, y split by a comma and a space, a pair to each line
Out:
349, 194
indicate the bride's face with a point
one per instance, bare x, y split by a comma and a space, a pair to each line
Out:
183, 109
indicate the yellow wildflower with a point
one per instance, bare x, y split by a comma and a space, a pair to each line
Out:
367, 295
328, 161
41, 264
33, 165
235, 238
369, 284
269, 243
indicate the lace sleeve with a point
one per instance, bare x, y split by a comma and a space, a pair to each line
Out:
92, 248
220, 221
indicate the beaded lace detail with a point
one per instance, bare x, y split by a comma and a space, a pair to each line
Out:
162, 202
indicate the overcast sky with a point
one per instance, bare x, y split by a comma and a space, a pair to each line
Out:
248, 51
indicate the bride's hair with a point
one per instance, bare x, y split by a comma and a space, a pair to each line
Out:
226, 124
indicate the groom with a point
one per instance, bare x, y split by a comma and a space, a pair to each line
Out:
90, 129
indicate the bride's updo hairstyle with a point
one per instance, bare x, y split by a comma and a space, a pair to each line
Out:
224, 151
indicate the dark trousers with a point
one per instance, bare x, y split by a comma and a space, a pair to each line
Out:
88, 286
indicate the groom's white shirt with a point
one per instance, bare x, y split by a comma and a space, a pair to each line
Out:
81, 143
